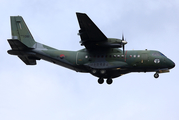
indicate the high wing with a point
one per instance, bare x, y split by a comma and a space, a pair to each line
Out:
90, 34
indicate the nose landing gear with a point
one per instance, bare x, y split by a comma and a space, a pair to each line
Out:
156, 75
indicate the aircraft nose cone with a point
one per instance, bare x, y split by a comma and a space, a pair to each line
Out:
172, 64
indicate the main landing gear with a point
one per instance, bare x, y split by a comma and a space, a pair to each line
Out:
156, 75
108, 81
100, 80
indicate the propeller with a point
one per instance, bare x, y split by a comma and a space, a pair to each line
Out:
123, 43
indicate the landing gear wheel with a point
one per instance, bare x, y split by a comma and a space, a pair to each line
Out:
100, 80
156, 75
109, 81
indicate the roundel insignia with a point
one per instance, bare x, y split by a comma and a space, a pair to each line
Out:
62, 56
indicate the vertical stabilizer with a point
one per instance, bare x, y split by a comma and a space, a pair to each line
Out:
21, 32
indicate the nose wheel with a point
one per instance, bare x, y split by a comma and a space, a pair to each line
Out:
156, 75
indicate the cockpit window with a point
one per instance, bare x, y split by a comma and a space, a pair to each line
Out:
162, 54
158, 54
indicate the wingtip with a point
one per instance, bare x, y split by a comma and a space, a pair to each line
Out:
80, 13
16, 16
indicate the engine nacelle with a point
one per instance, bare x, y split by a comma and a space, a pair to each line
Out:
109, 43
112, 43
115, 42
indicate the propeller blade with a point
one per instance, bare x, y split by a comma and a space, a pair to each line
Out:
122, 37
123, 48
123, 43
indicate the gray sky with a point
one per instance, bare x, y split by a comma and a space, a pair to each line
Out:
47, 91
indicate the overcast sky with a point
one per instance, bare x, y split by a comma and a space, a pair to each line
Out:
50, 92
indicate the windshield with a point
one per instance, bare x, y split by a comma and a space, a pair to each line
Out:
162, 54
158, 54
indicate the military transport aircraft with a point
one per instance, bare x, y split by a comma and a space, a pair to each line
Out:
101, 56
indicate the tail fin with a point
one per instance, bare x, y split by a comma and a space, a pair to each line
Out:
21, 32
22, 41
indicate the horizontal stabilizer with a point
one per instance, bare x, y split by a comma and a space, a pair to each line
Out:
17, 45
22, 51
26, 60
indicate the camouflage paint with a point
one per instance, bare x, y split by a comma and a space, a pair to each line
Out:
102, 63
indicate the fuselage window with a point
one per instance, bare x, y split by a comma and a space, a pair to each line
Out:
122, 56
134, 56
157, 61
114, 56
118, 56
130, 56
138, 56
86, 56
